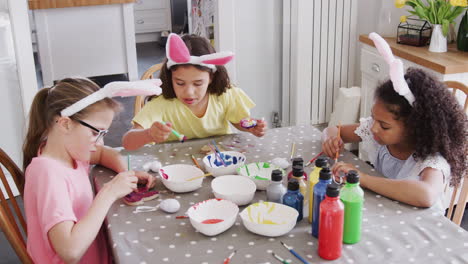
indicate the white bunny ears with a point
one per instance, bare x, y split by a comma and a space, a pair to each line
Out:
177, 53
397, 74
122, 89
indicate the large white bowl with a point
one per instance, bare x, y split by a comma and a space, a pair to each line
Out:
232, 159
174, 177
259, 173
213, 209
237, 189
269, 219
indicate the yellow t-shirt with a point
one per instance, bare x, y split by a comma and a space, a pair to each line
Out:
231, 106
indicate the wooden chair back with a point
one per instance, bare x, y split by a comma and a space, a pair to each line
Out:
14, 232
458, 86
461, 203
141, 100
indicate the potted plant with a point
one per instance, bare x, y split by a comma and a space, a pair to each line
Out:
440, 13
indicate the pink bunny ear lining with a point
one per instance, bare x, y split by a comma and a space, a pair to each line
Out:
220, 61
176, 49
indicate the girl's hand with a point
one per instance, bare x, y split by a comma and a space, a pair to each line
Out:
145, 178
122, 184
344, 168
159, 132
260, 129
332, 145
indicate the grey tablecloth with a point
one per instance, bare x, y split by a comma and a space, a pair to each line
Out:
392, 232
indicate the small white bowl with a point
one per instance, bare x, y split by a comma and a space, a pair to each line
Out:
269, 219
174, 177
232, 159
237, 189
259, 173
214, 216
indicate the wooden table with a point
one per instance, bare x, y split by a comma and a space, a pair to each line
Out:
392, 232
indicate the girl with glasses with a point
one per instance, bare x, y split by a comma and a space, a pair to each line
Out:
64, 218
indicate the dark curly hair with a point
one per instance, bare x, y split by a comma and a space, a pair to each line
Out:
197, 46
435, 123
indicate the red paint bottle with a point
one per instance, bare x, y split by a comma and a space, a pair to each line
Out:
331, 224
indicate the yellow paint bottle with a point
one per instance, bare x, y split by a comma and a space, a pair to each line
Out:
320, 162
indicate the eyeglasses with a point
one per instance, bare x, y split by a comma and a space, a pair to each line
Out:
100, 133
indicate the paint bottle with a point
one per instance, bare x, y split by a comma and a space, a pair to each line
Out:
297, 161
294, 198
331, 224
276, 190
298, 174
352, 197
320, 190
320, 162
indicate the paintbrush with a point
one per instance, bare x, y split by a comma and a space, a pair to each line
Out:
293, 150
217, 154
128, 162
228, 259
279, 258
339, 137
179, 136
294, 253
313, 159
195, 162
198, 177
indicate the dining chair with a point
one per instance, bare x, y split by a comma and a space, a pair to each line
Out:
9, 219
148, 74
458, 86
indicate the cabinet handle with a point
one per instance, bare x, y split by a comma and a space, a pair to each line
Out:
140, 21
375, 67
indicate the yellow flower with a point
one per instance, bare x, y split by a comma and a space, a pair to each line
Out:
403, 19
400, 3
459, 2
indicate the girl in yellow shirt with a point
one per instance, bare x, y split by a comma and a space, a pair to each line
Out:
198, 99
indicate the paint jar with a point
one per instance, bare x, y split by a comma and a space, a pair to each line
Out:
276, 190
298, 174
294, 198
320, 162
295, 162
352, 197
320, 190
331, 224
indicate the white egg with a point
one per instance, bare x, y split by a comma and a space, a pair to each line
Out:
155, 166
170, 205
146, 166
280, 162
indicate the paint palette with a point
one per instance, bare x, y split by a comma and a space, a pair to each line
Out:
228, 166
175, 177
259, 173
269, 219
214, 216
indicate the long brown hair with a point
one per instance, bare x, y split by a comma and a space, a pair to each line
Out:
197, 46
49, 102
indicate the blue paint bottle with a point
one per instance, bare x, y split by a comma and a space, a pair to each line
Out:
294, 198
320, 190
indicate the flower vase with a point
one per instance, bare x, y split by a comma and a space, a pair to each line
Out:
438, 40
462, 39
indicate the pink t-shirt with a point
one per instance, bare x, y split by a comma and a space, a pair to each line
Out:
54, 193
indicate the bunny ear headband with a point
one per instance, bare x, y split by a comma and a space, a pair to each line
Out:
178, 53
397, 75
122, 89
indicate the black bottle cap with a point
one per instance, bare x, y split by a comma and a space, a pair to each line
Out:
276, 176
352, 176
333, 190
321, 162
298, 171
297, 161
293, 185
325, 174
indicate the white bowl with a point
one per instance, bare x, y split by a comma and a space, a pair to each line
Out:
259, 173
232, 159
237, 189
174, 177
269, 219
213, 210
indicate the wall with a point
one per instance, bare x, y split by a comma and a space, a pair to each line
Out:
258, 38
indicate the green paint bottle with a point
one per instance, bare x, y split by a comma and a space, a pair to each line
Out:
352, 197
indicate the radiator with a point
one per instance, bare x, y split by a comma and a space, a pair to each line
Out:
319, 53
